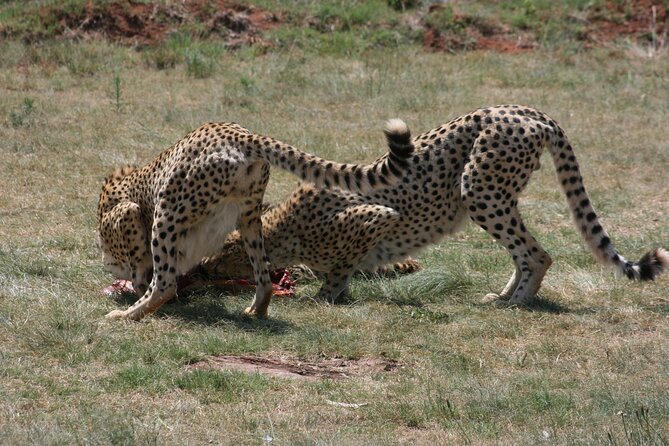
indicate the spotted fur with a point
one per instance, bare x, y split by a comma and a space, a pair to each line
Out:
473, 167
158, 222
328, 230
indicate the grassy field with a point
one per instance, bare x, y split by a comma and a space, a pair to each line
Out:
588, 364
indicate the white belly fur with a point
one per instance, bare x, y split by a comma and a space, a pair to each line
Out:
207, 237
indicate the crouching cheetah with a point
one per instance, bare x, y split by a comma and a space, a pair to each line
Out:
328, 230
158, 222
474, 166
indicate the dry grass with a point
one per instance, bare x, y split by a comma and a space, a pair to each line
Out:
581, 368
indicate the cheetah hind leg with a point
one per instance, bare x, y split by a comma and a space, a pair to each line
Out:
531, 262
510, 287
501, 219
530, 259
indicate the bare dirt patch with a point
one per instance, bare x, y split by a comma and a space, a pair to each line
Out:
638, 21
280, 367
146, 23
466, 32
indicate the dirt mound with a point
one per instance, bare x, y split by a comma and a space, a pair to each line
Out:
145, 23
446, 29
295, 369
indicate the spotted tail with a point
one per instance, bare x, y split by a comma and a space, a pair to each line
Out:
361, 178
651, 264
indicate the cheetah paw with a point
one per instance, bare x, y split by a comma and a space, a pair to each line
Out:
250, 311
495, 298
116, 314
499, 300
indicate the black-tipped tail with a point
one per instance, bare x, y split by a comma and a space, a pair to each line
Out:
651, 265
361, 178
398, 136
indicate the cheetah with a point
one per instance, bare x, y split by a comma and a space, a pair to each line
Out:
327, 230
158, 222
474, 167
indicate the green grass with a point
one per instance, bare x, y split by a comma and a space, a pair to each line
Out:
585, 365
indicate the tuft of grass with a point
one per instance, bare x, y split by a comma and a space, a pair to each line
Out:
169, 53
198, 65
248, 84
24, 116
403, 5
117, 93
148, 378
347, 16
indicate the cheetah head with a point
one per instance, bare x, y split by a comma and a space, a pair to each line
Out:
121, 234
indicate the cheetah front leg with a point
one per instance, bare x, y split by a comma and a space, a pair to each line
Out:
369, 224
163, 286
335, 286
154, 298
250, 230
163, 283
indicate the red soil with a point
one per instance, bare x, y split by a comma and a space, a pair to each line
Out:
130, 22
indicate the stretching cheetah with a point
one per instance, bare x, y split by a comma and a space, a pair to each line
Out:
474, 166
158, 222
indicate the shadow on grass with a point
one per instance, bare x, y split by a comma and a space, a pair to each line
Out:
399, 299
545, 305
538, 304
207, 307
456, 292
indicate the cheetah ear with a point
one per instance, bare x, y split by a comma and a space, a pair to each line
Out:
119, 173
266, 207
122, 228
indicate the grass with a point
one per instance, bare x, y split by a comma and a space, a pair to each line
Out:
586, 365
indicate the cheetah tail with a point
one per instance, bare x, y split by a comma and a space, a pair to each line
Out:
651, 265
398, 137
362, 178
